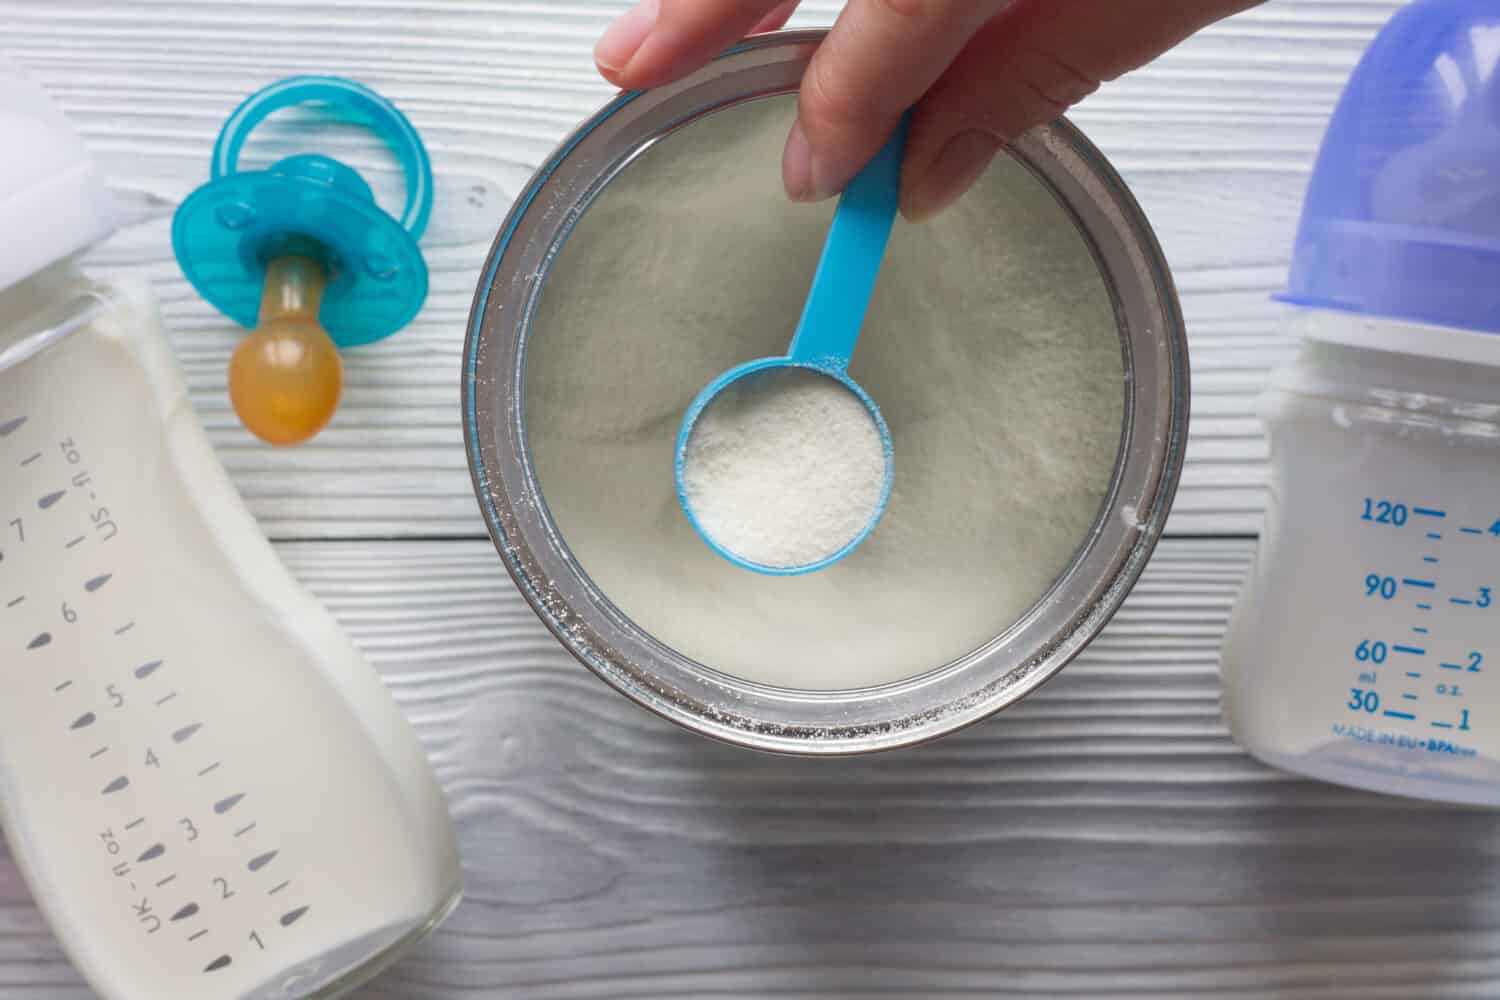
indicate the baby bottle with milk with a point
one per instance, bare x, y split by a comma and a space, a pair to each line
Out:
1365, 647
207, 789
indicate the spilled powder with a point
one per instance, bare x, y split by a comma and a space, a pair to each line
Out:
784, 468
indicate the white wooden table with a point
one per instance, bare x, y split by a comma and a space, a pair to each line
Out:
1102, 839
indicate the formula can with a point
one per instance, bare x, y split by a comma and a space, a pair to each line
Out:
1054, 168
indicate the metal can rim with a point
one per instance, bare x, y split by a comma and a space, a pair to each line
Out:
817, 723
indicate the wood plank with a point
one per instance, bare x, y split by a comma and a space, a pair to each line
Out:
1103, 838
1216, 139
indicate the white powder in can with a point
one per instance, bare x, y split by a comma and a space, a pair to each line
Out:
991, 347
784, 468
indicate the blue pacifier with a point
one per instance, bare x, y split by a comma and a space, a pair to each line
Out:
301, 252
823, 344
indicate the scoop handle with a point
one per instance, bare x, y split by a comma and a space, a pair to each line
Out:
846, 274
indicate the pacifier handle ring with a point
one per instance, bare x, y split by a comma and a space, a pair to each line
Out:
382, 117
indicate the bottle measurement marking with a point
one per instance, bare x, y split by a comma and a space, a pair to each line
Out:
195, 917
29, 459
9, 427
1393, 515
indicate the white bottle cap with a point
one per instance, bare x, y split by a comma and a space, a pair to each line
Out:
52, 201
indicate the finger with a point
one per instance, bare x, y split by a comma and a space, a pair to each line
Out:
658, 41
1026, 67
777, 19
878, 60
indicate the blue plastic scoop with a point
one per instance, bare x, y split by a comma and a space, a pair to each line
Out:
828, 332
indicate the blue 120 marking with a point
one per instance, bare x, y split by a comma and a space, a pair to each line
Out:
1385, 512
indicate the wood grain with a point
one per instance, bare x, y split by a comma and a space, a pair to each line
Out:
1216, 139
1103, 838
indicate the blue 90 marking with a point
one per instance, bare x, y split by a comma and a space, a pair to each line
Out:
1382, 586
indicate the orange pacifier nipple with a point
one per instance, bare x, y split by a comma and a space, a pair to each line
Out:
285, 379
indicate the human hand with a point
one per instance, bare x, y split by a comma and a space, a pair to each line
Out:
979, 72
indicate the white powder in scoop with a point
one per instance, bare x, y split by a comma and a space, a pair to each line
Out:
784, 468
991, 347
